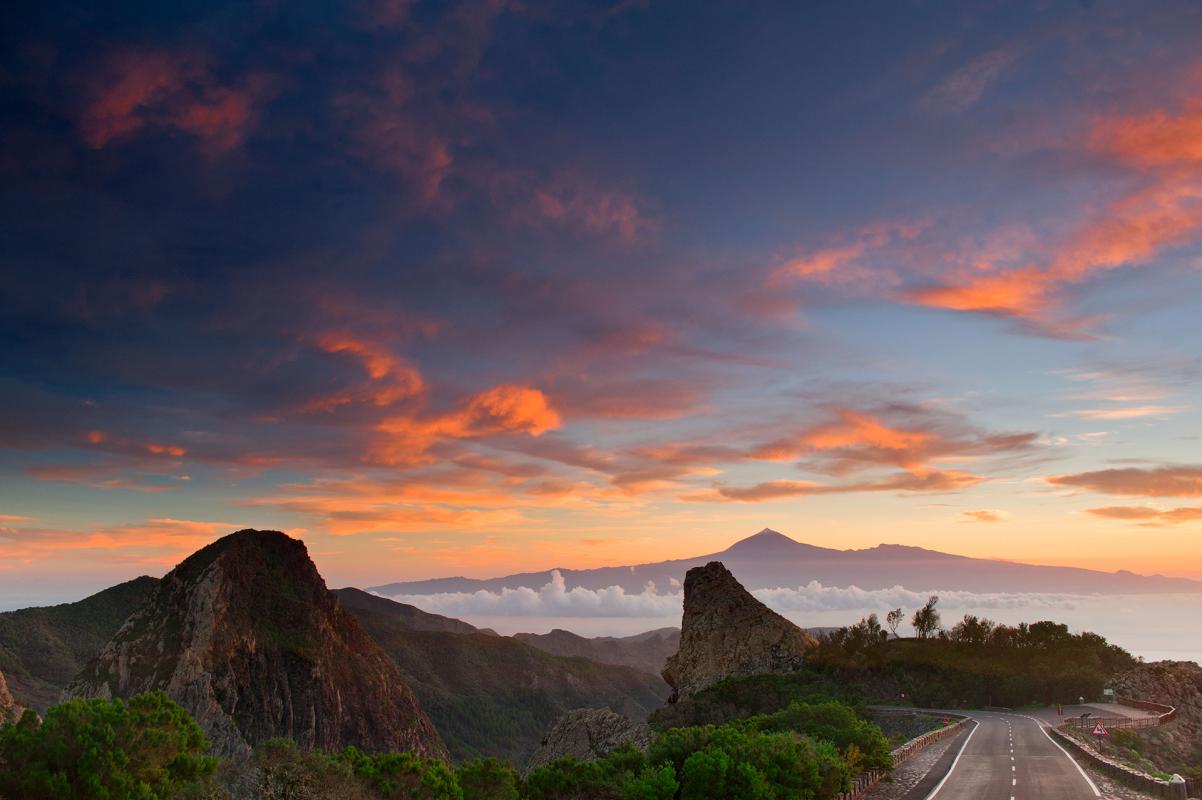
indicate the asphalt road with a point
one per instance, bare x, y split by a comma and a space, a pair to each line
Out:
1010, 757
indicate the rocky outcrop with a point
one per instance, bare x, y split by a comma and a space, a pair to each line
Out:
1174, 683
1177, 684
589, 734
9, 710
245, 635
725, 632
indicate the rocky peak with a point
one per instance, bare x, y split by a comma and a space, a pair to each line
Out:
725, 631
766, 542
9, 710
244, 634
589, 734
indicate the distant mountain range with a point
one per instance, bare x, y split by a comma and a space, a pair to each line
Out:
769, 560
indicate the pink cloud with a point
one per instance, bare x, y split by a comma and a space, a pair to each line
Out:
132, 90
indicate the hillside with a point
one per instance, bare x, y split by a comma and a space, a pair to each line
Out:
644, 651
42, 649
769, 560
494, 695
244, 634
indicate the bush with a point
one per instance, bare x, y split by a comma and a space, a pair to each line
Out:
570, 779
739, 761
282, 772
836, 723
488, 779
404, 776
146, 749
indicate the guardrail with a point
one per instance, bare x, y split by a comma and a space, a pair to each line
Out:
1165, 714
870, 778
1128, 775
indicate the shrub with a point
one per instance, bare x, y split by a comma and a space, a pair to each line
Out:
488, 779
146, 749
404, 776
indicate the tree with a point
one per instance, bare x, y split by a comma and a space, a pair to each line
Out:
404, 775
972, 630
926, 619
146, 749
653, 783
893, 619
488, 779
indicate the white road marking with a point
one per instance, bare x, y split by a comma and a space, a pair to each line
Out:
1093, 786
952, 768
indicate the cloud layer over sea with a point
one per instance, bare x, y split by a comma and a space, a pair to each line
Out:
1153, 626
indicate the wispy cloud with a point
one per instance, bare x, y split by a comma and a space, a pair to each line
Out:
984, 515
1164, 481
1147, 515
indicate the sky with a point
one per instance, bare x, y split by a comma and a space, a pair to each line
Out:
472, 288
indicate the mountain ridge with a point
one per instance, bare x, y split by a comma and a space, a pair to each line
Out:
769, 560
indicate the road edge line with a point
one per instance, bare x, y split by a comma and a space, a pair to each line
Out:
1043, 729
955, 761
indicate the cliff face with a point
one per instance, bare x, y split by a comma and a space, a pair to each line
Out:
244, 634
725, 631
9, 710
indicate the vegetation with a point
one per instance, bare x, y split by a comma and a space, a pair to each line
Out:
1156, 751
808, 744
748, 695
977, 663
42, 649
147, 749
465, 683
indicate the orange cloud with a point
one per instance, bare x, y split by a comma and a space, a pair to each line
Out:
1154, 140
137, 89
1150, 515
983, 515
117, 444
838, 262
1165, 152
157, 541
502, 409
1169, 481
936, 481
857, 440
393, 379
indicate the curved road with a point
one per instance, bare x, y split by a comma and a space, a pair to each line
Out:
1011, 757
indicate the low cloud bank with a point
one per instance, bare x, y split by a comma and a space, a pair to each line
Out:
555, 600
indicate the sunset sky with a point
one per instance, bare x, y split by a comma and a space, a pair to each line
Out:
474, 288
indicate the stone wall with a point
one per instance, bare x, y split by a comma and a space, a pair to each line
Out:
1123, 773
870, 778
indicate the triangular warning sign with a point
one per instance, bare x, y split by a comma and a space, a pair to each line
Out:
1100, 730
